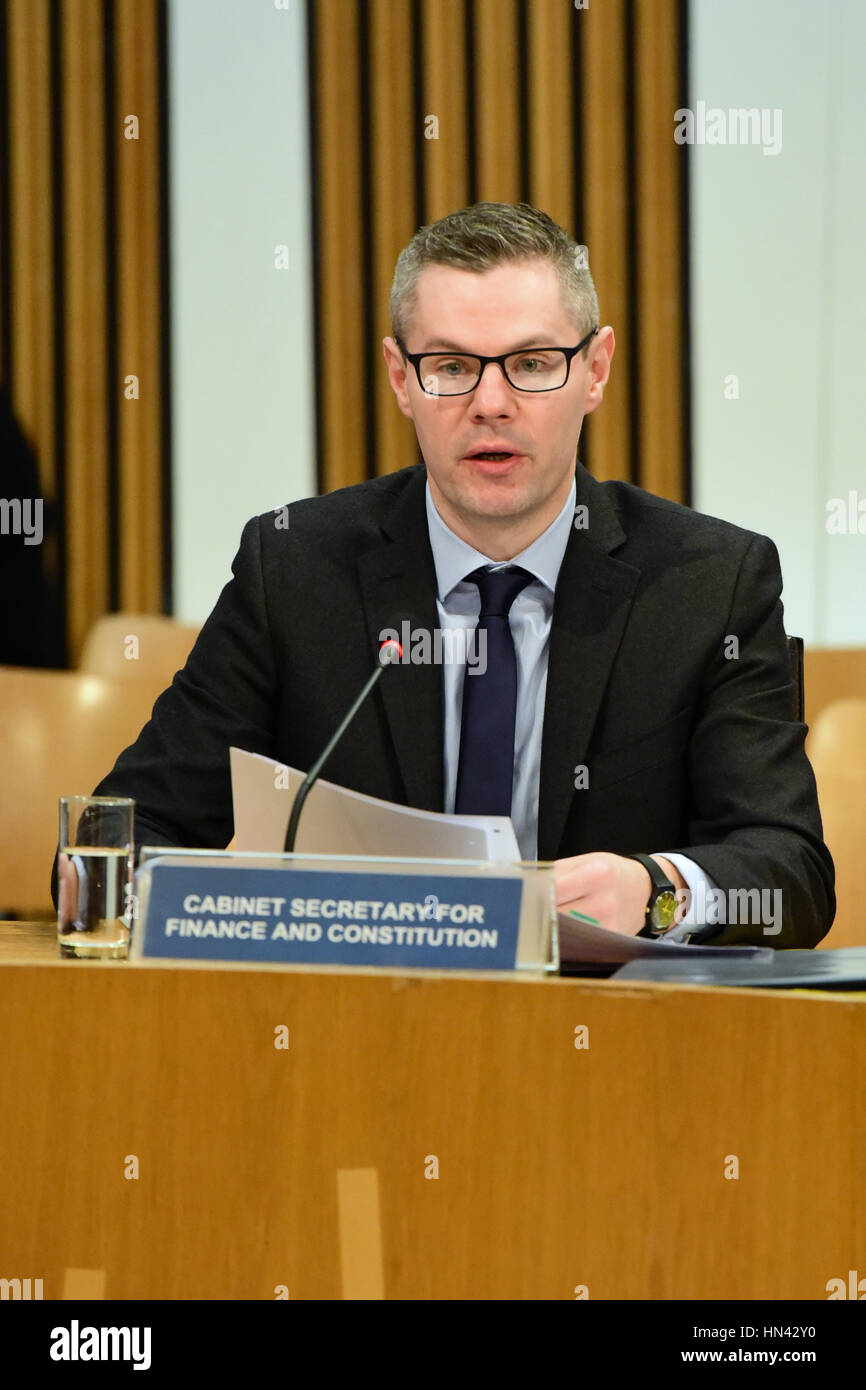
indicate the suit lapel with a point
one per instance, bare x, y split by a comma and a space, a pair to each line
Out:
594, 595
398, 586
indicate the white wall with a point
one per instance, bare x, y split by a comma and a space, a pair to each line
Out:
242, 334
779, 295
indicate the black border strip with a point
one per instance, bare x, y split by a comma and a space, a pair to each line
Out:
165, 305
58, 218
112, 374
227, 1328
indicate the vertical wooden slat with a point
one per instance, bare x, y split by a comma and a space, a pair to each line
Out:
344, 353
138, 265
659, 191
603, 57
446, 159
87, 520
30, 195
393, 138
551, 136
493, 68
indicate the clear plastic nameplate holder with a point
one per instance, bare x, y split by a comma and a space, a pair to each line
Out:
531, 893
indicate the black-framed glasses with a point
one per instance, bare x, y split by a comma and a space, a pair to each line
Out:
458, 373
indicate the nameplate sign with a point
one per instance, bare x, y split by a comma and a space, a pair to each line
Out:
326, 917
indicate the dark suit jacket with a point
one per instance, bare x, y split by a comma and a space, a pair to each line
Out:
685, 748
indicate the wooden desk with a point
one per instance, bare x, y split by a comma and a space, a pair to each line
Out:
557, 1167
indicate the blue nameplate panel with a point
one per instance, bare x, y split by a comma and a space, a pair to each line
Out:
323, 917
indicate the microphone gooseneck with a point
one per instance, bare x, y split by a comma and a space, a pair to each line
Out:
389, 653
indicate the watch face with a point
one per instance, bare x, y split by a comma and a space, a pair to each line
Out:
664, 910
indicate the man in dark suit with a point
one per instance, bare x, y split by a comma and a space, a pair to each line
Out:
654, 710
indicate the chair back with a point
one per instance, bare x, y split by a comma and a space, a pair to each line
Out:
60, 734
836, 746
833, 673
145, 647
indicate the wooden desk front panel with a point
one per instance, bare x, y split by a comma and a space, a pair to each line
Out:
558, 1167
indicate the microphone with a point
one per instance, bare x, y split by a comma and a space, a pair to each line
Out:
390, 652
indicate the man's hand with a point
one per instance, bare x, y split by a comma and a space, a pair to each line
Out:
612, 889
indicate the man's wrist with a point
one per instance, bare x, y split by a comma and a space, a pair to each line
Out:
664, 897
672, 872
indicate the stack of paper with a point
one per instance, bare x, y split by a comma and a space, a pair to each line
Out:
337, 821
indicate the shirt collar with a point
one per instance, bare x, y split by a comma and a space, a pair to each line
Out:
454, 558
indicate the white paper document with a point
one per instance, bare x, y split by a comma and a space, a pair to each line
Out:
337, 821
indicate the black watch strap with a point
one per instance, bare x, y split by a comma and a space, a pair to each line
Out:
662, 905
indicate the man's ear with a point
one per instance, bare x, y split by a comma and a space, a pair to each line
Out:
601, 356
397, 372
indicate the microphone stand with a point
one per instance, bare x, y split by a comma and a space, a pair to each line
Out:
389, 653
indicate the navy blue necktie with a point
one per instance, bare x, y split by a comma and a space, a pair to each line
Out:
486, 767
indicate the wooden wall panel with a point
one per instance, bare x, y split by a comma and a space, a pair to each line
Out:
570, 109
567, 108
493, 68
605, 154
137, 254
85, 361
393, 139
552, 138
85, 282
344, 358
445, 160
658, 172
32, 289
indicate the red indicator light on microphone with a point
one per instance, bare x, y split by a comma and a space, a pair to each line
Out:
390, 652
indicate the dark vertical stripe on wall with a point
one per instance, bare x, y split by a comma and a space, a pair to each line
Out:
165, 365
365, 135
523, 100
111, 307
316, 267
419, 111
685, 259
5, 220
631, 240
58, 218
471, 109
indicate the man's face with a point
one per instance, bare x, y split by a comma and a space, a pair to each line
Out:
513, 306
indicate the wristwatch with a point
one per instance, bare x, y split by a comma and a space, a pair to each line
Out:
661, 910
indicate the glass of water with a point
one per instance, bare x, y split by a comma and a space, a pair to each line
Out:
94, 876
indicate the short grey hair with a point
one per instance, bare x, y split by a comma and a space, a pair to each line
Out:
486, 235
